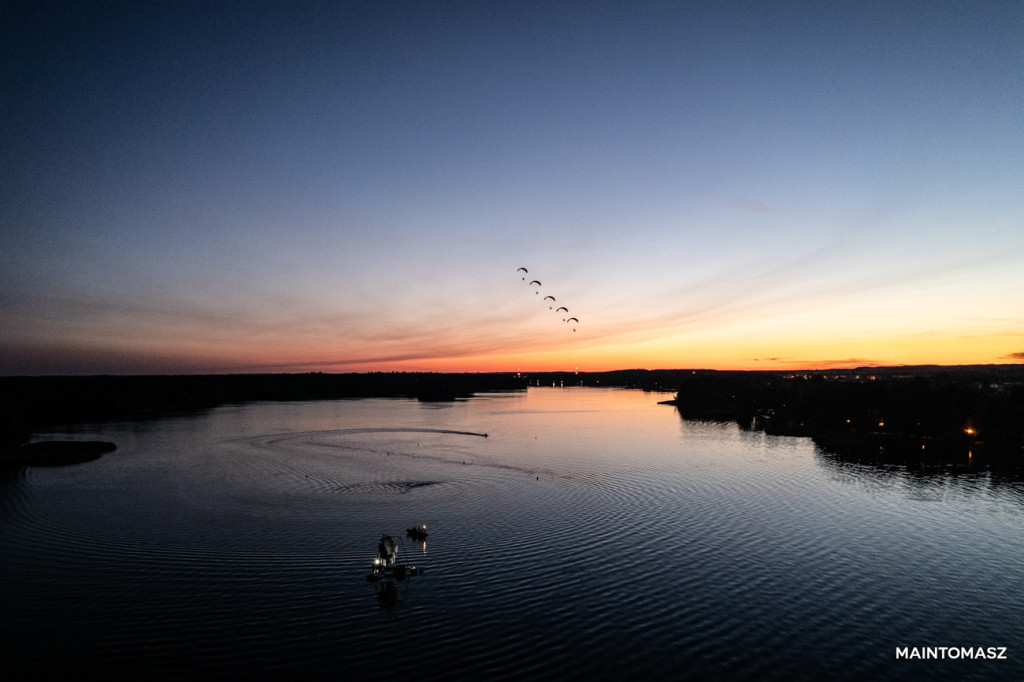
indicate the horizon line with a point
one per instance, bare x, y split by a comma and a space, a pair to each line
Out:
529, 371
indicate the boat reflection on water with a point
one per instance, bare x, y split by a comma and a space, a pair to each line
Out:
387, 571
921, 457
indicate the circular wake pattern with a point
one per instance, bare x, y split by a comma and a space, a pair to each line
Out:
363, 465
227, 487
364, 462
385, 487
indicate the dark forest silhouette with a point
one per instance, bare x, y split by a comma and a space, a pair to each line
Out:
28, 403
919, 416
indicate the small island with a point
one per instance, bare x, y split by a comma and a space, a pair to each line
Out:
55, 452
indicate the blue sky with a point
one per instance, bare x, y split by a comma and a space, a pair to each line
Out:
193, 187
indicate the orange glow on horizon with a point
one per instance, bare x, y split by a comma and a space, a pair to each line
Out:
720, 355
739, 347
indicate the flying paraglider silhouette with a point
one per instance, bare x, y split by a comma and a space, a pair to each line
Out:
536, 291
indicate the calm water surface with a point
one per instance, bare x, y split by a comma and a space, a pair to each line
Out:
592, 534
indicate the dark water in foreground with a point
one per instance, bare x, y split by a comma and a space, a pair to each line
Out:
592, 535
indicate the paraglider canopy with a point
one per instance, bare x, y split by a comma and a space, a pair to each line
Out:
561, 309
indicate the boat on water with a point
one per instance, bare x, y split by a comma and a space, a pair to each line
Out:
417, 532
386, 567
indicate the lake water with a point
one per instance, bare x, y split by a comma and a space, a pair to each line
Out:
591, 534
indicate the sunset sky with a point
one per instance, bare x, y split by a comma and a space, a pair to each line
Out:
193, 187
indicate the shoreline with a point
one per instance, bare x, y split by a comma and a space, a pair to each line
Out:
923, 412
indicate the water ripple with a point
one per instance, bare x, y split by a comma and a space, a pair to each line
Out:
619, 553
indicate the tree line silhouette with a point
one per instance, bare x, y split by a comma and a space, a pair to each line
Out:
28, 403
884, 414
